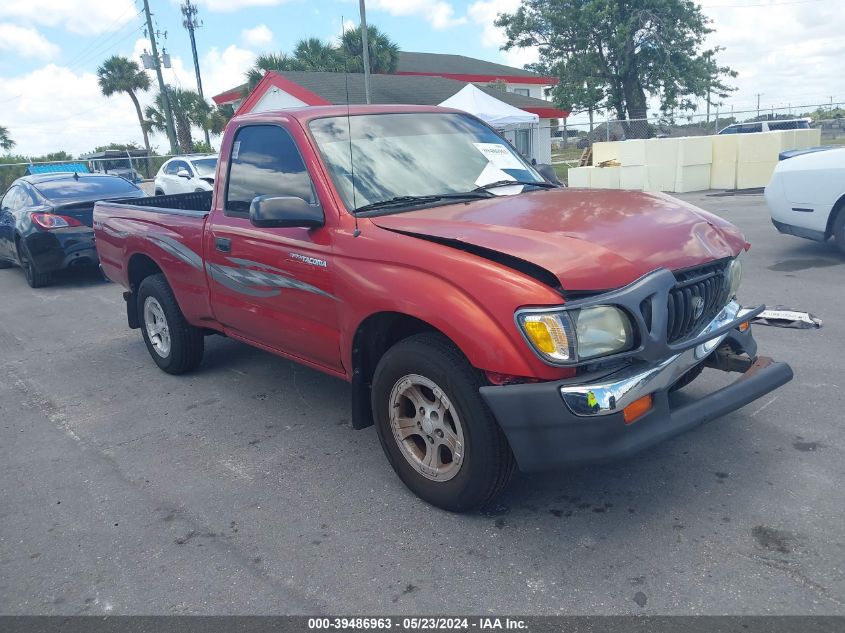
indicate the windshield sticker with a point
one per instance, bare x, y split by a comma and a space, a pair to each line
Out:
490, 174
235, 149
499, 155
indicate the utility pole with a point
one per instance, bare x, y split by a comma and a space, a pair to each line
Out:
759, 94
168, 115
189, 11
366, 49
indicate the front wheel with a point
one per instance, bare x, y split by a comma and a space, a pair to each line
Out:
839, 229
176, 346
434, 427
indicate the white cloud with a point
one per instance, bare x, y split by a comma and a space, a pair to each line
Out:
786, 53
227, 6
53, 108
484, 14
439, 13
259, 36
84, 17
225, 69
26, 42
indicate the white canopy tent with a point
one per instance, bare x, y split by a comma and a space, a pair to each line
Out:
497, 114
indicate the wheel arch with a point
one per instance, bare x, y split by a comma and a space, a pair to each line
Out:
139, 267
838, 208
376, 334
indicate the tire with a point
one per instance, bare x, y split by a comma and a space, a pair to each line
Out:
461, 480
159, 192
175, 345
34, 278
839, 229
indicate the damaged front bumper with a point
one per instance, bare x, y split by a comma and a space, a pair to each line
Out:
581, 420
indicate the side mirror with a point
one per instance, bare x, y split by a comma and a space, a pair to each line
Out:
271, 212
183, 173
548, 173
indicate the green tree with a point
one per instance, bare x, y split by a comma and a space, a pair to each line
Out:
219, 117
314, 54
188, 108
615, 54
384, 52
263, 64
119, 74
6, 141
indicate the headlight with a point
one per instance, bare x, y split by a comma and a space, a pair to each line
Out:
734, 276
570, 336
601, 331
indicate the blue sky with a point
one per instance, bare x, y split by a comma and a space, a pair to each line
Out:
789, 52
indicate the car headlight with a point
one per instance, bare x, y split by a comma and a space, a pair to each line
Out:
569, 336
734, 276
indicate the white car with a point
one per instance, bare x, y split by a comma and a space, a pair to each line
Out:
185, 174
806, 196
775, 125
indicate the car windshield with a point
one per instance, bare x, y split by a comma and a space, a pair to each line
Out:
205, 167
415, 155
87, 187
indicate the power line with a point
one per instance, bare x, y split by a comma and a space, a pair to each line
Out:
106, 33
760, 5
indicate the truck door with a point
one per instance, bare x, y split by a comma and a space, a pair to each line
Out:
271, 286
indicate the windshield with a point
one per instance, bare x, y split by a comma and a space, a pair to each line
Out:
415, 154
205, 167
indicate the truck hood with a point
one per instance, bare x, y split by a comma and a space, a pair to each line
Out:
589, 239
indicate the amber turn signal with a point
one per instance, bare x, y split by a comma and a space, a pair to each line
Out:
637, 409
744, 326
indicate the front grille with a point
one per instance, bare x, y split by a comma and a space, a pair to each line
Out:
696, 299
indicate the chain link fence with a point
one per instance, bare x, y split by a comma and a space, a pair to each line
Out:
569, 139
134, 168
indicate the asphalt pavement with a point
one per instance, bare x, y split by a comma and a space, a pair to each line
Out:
242, 488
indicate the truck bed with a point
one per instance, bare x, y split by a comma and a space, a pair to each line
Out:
195, 203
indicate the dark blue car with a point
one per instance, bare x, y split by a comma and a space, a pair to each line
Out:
46, 221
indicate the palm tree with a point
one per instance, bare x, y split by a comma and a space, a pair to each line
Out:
119, 74
6, 141
188, 108
316, 55
219, 117
384, 52
264, 63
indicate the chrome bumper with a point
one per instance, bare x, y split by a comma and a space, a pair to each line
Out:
618, 390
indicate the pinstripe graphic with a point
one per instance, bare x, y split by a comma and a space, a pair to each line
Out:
242, 277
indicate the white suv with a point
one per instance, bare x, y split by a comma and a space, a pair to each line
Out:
185, 174
774, 125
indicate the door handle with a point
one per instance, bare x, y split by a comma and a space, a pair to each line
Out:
223, 244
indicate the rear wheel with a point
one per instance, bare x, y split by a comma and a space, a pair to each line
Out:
34, 278
159, 192
176, 346
434, 427
839, 229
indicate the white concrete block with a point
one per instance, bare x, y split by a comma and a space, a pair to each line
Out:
753, 175
605, 151
808, 138
692, 178
633, 176
632, 152
579, 177
788, 139
723, 175
604, 178
724, 148
662, 152
695, 150
760, 147
659, 178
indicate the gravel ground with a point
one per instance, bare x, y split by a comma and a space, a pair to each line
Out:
243, 489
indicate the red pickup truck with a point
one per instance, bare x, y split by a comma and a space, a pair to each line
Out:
486, 318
